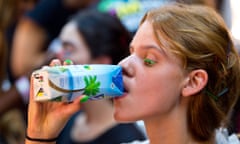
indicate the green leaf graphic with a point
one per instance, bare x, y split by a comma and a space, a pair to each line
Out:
62, 69
92, 85
87, 67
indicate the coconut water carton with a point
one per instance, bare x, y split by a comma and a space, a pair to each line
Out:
65, 83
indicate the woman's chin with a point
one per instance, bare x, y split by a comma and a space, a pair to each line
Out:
123, 117
120, 108
120, 118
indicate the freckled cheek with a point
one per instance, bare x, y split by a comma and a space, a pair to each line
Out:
146, 85
155, 83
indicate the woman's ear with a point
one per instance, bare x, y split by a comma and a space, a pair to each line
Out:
196, 81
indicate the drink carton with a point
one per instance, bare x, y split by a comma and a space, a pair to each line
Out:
65, 83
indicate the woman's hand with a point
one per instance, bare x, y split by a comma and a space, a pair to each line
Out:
47, 119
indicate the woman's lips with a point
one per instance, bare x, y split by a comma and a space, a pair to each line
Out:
125, 88
122, 96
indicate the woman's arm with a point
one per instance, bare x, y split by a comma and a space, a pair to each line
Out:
47, 119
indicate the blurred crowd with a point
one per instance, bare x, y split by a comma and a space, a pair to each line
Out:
33, 32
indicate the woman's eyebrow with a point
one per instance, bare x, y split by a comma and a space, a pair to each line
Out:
155, 48
67, 43
148, 46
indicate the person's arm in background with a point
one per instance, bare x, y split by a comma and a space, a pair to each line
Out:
28, 44
33, 34
37, 29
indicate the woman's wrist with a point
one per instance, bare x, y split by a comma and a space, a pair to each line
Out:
37, 142
41, 140
38, 135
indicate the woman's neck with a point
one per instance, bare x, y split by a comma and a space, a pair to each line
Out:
170, 128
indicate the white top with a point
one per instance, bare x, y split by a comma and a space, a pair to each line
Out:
222, 137
139, 142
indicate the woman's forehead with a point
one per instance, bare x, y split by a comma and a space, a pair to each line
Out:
145, 37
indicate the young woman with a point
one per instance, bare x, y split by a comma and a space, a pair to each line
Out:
181, 79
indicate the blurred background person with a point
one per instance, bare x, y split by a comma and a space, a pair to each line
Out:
93, 37
37, 29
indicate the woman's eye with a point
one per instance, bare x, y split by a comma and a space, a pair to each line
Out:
149, 62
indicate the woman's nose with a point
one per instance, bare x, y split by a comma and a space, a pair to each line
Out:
57, 49
127, 65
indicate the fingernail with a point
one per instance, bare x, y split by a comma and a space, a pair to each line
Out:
84, 98
68, 61
56, 64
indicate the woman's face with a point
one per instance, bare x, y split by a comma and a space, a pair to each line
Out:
153, 79
73, 45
